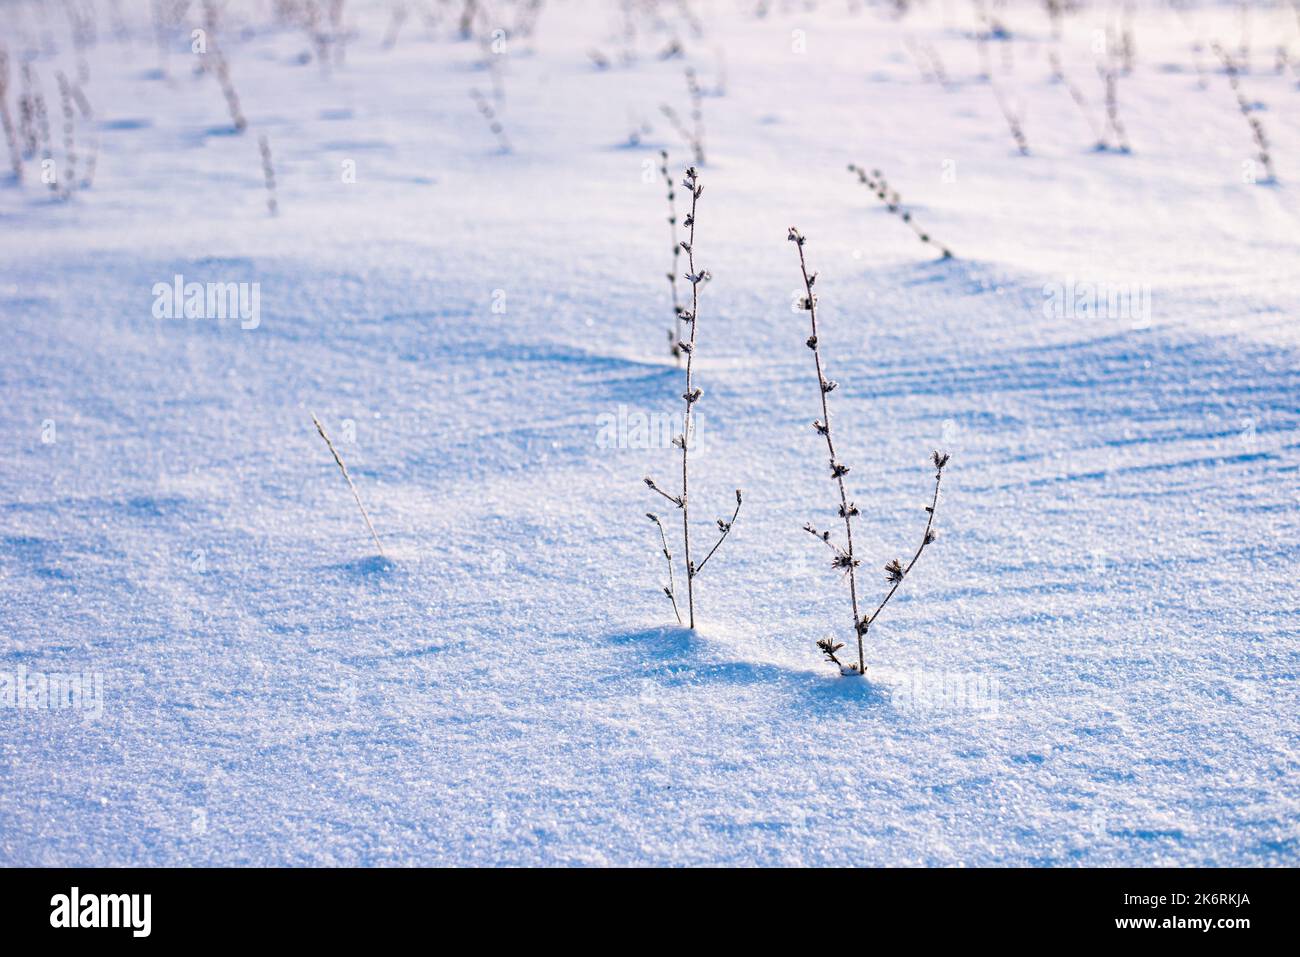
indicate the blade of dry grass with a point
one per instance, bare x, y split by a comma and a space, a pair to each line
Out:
344, 469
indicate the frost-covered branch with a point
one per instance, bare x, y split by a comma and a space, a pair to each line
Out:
694, 137
344, 469
671, 590
6, 119
696, 276
724, 526
1247, 111
875, 181
675, 334
843, 559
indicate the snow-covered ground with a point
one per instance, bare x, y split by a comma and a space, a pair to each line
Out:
1094, 664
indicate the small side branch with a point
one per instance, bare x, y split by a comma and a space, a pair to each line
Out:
675, 499
725, 529
828, 648
895, 571
671, 590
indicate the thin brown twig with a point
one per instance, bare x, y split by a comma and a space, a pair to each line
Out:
344, 469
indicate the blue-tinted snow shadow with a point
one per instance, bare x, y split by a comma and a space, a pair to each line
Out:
675, 656
125, 123
967, 277
369, 568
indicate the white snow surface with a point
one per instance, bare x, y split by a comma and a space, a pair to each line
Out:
1116, 566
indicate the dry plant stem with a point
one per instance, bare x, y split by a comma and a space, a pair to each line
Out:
221, 69
526, 18
1256, 127
893, 202
697, 115
1111, 79
936, 64
490, 115
914, 49
69, 142
1080, 101
394, 27
690, 395
319, 36
675, 122
338, 36
694, 138
27, 114
11, 135
675, 334
982, 47
1013, 121
692, 21
43, 131
344, 469
695, 276
88, 115
268, 174
467, 14
824, 386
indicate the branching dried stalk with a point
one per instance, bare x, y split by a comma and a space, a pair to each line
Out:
344, 469
848, 510
696, 277
844, 558
875, 181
